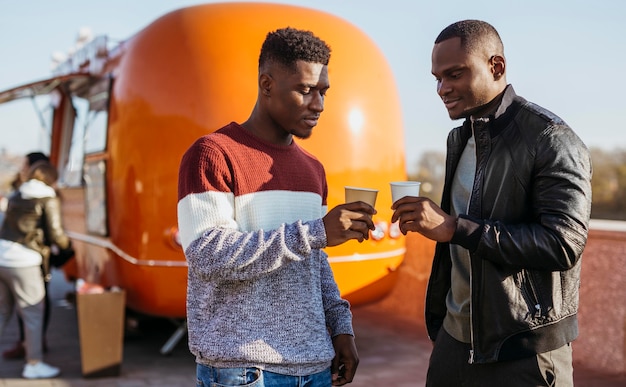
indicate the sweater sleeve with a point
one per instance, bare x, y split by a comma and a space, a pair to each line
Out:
211, 237
337, 310
229, 254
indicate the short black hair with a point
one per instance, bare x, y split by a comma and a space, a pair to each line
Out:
288, 45
33, 157
475, 35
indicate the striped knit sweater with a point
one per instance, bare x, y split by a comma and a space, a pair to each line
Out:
260, 290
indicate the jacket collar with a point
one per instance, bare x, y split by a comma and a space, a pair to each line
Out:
500, 116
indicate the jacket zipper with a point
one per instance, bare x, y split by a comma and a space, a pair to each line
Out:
535, 295
471, 269
530, 294
471, 310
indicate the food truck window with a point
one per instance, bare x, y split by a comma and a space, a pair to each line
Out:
96, 131
72, 175
88, 152
95, 197
97, 117
89, 115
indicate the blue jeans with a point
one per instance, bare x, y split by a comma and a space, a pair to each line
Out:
253, 377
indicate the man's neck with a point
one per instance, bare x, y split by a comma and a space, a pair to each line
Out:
487, 109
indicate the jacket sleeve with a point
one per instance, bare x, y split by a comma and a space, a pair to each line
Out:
53, 226
559, 209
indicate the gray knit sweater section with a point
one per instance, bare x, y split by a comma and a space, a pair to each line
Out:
264, 299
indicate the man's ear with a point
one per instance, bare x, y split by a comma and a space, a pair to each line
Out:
498, 66
265, 84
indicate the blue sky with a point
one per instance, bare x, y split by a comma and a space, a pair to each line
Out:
568, 56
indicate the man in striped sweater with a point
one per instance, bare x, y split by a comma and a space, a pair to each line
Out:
262, 303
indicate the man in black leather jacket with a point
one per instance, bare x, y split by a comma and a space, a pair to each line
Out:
502, 297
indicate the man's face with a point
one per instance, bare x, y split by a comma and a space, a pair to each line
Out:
297, 98
464, 80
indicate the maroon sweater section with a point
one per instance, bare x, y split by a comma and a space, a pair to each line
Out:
233, 160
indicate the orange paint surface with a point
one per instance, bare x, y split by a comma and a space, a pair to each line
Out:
193, 71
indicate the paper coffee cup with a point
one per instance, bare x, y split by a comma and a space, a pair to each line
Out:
400, 189
367, 195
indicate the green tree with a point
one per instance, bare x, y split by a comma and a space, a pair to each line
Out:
431, 168
608, 184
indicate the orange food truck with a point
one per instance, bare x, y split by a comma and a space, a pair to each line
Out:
123, 115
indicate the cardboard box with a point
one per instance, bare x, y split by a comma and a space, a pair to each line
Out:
101, 332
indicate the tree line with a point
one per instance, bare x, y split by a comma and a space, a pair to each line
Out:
608, 183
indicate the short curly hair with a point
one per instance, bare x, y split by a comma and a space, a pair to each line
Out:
288, 45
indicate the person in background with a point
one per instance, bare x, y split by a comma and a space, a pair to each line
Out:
19, 351
33, 216
262, 303
502, 298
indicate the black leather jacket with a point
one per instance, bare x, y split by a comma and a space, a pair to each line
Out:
525, 230
34, 223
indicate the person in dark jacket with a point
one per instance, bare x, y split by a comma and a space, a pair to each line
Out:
18, 351
32, 222
502, 298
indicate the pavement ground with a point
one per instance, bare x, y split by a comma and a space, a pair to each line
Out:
393, 352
